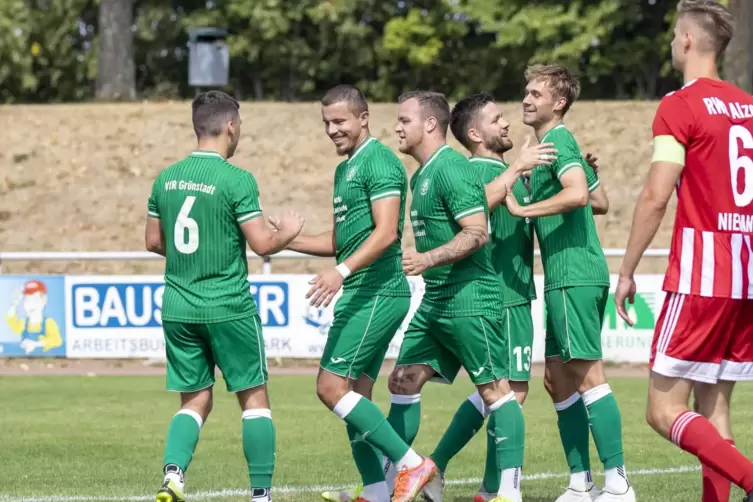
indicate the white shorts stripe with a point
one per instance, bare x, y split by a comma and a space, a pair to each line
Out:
673, 299
736, 244
670, 322
686, 260
707, 264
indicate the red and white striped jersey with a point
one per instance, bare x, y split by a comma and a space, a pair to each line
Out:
712, 249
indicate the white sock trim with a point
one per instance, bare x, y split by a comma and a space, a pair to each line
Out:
598, 392
478, 403
567, 402
257, 413
497, 405
406, 399
191, 414
346, 404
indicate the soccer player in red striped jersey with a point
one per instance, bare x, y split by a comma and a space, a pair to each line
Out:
201, 213
703, 142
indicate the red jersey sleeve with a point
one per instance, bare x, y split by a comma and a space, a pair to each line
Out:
674, 118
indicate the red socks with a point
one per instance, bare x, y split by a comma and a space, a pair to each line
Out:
694, 434
716, 488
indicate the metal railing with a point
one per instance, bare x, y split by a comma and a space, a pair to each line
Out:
6, 256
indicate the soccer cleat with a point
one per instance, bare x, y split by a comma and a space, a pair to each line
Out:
572, 495
345, 496
261, 495
628, 496
170, 492
410, 482
483, 496
433, 489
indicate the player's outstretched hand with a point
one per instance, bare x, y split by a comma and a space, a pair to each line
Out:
290, 222
414, 263
324, 287
593, 161
512, 204
625, 291
532, 156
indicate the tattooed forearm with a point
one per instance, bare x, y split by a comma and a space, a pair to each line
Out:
469, 240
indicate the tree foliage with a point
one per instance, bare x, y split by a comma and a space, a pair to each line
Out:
295, 49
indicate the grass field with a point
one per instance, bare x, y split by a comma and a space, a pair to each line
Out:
78, 438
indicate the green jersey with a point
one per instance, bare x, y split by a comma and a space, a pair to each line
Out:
510, 238
201, 202
372, 173
570, 249
446, 189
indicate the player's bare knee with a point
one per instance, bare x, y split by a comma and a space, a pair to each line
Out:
409, 380
363, 386
521, 391
493, 392
331, 388
587, 375
200, 401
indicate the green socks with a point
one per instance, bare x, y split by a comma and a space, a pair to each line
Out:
468, 420
405, 416
182, 437
509, 439
368, 461
606, 424
509, 432
492, 472
259, 446
572, 420
366, 418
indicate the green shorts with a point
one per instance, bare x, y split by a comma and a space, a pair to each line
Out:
518, 328
574, 318
361, 333
236, 346
445, 344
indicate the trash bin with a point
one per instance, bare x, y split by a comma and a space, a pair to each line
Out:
208, 57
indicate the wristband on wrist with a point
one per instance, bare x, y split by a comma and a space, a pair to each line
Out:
343, 269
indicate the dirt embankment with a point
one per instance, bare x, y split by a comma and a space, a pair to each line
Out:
77, 177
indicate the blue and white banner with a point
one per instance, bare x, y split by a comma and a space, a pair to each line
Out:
121, 317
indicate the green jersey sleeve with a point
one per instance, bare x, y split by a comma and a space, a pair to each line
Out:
462, 190
245, 203
151, 205
385, 177
591, 177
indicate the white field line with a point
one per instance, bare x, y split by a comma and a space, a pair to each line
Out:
223, 494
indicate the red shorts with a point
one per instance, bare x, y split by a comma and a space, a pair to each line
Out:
704, 339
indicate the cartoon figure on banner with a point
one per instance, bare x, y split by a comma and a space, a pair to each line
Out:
36, 330
320, 318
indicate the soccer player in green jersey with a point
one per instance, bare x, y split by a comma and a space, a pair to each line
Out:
368, 204
576, 280
477, 123
460, 322
201, 213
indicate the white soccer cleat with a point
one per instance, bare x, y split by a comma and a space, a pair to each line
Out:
390, 474
572, 495
433, 491
261, 495
628, 496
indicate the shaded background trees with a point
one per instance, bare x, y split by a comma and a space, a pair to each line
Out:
72, 50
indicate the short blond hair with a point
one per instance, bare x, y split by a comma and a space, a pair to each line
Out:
713, 18
559, 78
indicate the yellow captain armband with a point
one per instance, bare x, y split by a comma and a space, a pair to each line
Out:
668, 149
